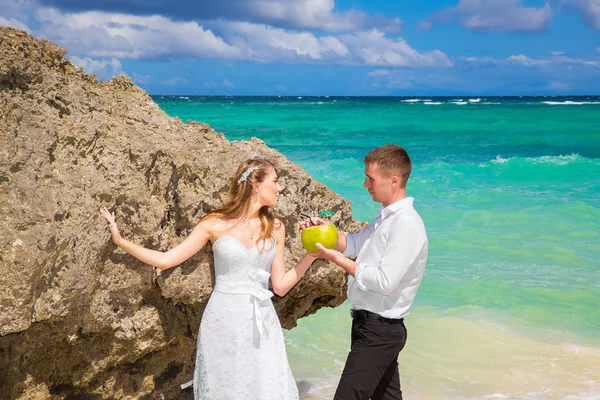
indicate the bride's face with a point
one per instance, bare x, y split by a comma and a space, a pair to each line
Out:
268, 190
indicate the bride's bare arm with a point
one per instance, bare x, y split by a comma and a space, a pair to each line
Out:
281, 280
162, 260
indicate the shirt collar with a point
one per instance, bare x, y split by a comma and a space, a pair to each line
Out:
398, 205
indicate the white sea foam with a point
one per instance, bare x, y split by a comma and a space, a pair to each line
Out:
474, 100
459, 103
569, 103
500, 160
411, 101
558, 160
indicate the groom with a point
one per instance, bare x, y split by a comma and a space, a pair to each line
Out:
390, 260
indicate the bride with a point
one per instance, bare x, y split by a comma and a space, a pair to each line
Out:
240, 352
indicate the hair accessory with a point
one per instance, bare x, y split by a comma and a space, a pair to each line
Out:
246, 174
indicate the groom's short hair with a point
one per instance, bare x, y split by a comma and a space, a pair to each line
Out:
392, 160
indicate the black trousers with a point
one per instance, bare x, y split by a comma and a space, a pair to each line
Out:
371, 370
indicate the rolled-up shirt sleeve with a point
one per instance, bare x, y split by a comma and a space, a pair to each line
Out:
402, 248
355, 241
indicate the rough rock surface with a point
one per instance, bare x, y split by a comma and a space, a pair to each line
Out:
78, 317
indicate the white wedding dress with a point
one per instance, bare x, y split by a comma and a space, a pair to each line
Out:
241, 353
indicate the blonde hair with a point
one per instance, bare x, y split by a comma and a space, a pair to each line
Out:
392, 160
240, 195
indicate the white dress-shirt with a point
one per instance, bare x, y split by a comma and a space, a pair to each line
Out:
391, 254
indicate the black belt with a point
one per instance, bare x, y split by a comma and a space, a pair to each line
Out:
364, 314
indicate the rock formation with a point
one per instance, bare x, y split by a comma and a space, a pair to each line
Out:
78, 317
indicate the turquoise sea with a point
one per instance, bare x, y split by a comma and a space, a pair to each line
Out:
509, 189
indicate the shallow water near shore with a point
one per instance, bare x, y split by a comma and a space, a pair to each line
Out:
456, 354
509, 192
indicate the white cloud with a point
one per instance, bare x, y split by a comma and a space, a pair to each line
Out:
555, 60
494, 16
264, 43
526, 61
174, 82
126, 36
589, 10
16, 8
14, 23
320, 15
335, 45
103, 68
598, 49
399, 79
428, 24
570, 60
105, 35
379, 72
399, 83
557, 53
480, 60
141, 79
225, 84
374, 48
14, 15
146, 79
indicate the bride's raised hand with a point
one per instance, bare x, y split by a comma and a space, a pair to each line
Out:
112, 225
310, 221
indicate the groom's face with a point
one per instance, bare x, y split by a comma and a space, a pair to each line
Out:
378, 185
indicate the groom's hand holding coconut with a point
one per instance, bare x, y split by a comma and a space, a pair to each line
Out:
321, 239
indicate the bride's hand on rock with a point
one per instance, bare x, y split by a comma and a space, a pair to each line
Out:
112, 225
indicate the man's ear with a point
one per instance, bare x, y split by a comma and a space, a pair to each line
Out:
395, 179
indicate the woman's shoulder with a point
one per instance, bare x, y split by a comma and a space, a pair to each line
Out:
213, 223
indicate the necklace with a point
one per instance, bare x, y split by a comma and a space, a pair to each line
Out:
247, 225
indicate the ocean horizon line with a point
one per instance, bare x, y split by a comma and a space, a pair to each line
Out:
380, 96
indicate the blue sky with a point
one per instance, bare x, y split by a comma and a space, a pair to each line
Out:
327, 47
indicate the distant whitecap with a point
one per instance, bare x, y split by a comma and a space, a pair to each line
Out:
569, 103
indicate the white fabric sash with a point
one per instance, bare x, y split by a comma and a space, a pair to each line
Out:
257, 288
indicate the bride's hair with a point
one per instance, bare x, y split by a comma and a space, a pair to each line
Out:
240, 195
